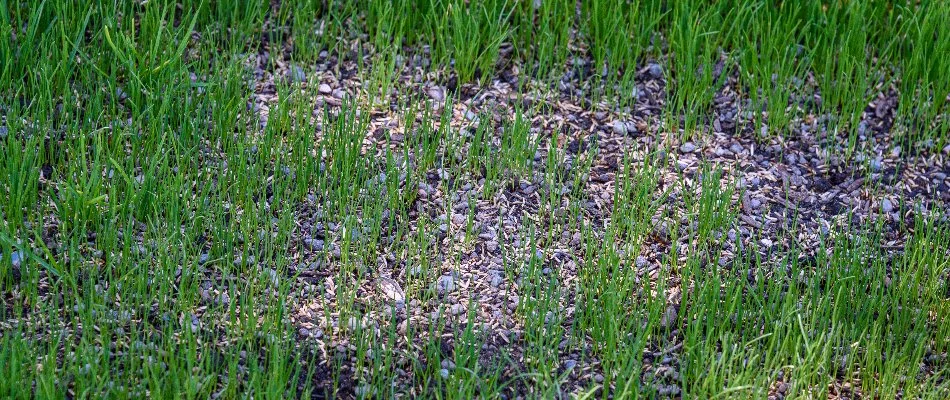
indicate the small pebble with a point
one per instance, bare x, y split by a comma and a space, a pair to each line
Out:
620, 128
448, 364
887, 206
296, 74
641, 261
688, 147
496, 281
576, 239
569, 365
436, 93
446, 284
16, 258
876, 165
313, 244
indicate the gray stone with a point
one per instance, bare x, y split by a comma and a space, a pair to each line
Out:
641, 261
446, 284
391, 289
313, 244
447, 364
576, 239
755, 204
876, 165
496, 281
16, 258
619, 127
688, 147
631, 127
887, 206
668, 390
782, 388
436, 93
569, 365
296, 74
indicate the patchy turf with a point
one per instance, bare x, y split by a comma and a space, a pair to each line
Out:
448, 199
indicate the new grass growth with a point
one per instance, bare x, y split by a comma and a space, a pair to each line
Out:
167, 232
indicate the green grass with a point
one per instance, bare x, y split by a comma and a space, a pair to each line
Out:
157, 216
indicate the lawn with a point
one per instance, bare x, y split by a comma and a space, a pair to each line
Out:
454, 199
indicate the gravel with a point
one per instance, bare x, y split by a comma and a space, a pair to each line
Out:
313, 244
641, 261
778, 176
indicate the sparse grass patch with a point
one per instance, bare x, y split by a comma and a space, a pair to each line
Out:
474, 199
